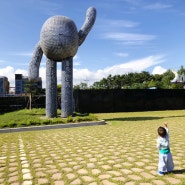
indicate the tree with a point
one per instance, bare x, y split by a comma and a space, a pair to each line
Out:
31, 88
181, 71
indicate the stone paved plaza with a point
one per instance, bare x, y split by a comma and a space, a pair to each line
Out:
109, 154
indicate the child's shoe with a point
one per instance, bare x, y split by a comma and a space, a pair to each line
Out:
160, 173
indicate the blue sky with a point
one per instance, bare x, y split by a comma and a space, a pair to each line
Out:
128, 36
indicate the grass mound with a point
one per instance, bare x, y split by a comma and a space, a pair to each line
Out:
36, 117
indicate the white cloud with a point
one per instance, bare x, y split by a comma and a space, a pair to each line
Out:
122, 54
158, 70
82, 75
129, 38
158, 6
87, 76
114, 24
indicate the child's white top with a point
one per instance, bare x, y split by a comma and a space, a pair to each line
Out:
163, 144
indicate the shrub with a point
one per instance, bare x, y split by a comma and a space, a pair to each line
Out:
69, 119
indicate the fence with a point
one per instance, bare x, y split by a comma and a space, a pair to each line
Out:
97, 101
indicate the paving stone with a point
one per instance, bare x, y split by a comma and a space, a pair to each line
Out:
122, 179
62, 164
2, 180
106, 167
139, 163
126, 171
67, 169
27, 176
23, 158
115, 173
106, 182
13, 164
13, 179
93, 183
1, 174
147, 175
137, 169
134, 177
77, 167
158, 182
15, 183
127, 164
42, 181
76, 182
70, 176
90, 165
92, 159
27, 183
26, 165
51, 171
87, 178
104, 176
180, 176
40, 174
36, 160
57, 176
59, 182
37, 165
82, 171
79, 158
72, 163
150, 167
25, 170
96, 171
117, 166
173, 180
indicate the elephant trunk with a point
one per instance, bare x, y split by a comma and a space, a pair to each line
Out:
33, 72
88, 24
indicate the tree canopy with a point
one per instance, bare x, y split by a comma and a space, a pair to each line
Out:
142, 80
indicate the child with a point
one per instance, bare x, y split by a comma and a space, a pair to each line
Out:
165, 156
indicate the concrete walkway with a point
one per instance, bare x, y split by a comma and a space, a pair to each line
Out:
94, 155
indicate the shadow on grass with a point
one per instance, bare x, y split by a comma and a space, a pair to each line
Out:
140, 118
133, 119
179, 171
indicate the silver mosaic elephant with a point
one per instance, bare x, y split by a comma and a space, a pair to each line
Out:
59, 41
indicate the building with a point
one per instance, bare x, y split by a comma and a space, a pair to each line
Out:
4, 85
21, 81
178, 78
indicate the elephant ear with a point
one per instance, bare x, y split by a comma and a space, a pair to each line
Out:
88, 24
33, 71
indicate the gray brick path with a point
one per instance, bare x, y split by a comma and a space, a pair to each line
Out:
122, 154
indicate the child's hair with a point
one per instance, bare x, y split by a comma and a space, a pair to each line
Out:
161, 131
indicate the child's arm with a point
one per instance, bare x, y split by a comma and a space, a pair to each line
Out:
166, 124
166, 127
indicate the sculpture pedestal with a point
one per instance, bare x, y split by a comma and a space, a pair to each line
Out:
67, 87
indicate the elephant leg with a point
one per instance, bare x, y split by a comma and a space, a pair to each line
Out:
67, 87
51, 89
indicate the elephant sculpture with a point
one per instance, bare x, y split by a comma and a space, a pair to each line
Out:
59, 42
